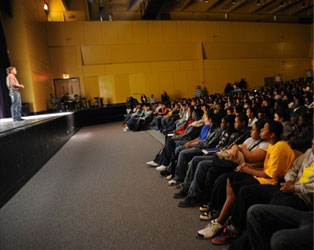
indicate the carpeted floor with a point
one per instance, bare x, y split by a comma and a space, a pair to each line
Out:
97, 193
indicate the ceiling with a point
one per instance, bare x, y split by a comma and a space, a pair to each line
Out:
293, 11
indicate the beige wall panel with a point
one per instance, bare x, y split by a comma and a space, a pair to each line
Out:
122, 87
155, 32
188, 65
74, 33
213, 31
137, 85
184, 31
169, 31
94, 70
152, 85
226, 32
199, 31
64, 60
166, 82
239, 50
140, 32
109, 32
56, 16
92, 33
143, 67
193, 80
102, 54
97, 54
180, 82
124, 68
56, 34
39, 66
258, 34
125, 32
164, 66
91, 87
41, 91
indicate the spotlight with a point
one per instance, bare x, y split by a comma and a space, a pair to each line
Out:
46, 7
226, 16
275, 18
258, 2
233, 1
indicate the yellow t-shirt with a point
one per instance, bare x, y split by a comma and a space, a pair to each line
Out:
306, 172
278, 160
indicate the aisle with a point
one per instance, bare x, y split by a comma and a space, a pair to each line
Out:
97, 193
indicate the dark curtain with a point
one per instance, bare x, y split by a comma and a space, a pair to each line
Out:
4, 63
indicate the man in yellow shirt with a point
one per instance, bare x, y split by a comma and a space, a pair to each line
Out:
278, 160
296, 192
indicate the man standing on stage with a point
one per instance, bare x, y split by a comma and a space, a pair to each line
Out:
14, 88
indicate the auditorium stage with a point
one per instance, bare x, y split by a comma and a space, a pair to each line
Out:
25, 146
7, 125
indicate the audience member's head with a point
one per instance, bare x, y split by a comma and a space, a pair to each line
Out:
256, 129
240, 122
271, 131
197, 114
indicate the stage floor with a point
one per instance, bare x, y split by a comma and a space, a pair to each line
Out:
7, 124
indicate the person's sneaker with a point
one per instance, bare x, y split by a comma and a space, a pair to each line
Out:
126, 129
204, 208
161, 168
181, 194
172, 182
152, 163
169, 177
211, 230
225, 237
189, 202
208, 216
165, 173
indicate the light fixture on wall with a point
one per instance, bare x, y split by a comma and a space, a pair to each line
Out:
46, 8
258, 2
226, 16
275, 18
65, 76
110, 17
233, 1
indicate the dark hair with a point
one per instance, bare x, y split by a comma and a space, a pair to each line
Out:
259, 125
199, 113
275, 127
229, 119
282, 114
215, 119
265, 111
253, 110
243, 118
239, 108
